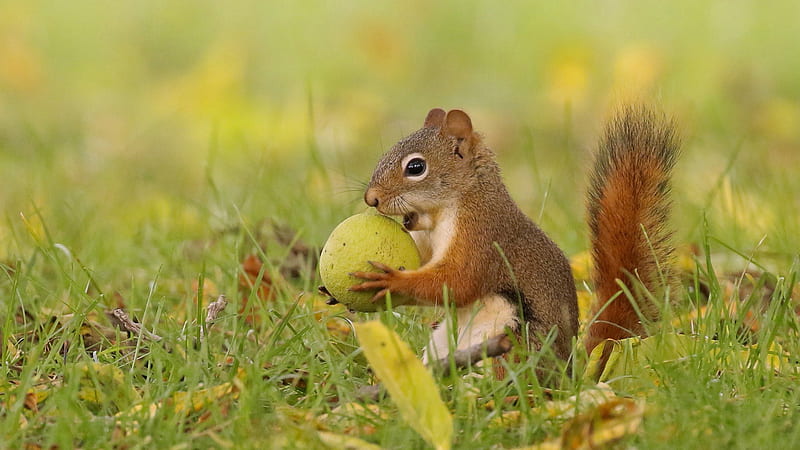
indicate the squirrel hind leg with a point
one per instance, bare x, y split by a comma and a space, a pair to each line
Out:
483, 319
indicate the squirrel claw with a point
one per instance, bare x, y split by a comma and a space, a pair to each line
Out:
380, 295
368, 275
380, 281
368, 285
381, 266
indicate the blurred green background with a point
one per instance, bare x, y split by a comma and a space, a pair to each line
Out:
126, 127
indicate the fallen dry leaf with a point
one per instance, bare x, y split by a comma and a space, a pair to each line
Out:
409, 383
104, 385
631, 362
342, 441
195, 401
604, 420
603, 425
563, 409
251, 280
183, 403
354, 418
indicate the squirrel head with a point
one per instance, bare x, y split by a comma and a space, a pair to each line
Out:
430, 169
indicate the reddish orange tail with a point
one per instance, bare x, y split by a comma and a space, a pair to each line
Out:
629, 205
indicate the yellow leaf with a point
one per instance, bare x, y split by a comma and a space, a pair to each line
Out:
588, 398
340, 441
188, 402
604, 424
631, 361
183, 403
409, 383
104, 384
550, 444
604, 419
354, 418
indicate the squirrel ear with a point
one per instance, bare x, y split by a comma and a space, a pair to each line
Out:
434, 119
458, 124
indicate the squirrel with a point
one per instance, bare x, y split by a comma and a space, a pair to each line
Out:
498, 268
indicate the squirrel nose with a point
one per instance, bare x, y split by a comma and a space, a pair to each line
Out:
371, 197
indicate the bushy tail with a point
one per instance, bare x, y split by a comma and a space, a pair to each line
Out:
629, 203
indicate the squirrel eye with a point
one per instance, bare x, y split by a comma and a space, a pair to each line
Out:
415, 167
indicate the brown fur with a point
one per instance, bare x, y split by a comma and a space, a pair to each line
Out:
629, 191
628, 206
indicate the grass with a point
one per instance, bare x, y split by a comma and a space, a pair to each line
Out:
146, 149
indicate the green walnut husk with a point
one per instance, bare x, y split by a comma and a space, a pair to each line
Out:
368, 236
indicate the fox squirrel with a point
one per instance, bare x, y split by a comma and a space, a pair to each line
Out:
498, 268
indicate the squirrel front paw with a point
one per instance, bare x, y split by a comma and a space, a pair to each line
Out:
385, 281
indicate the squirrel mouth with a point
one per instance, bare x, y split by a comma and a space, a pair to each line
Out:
410, 220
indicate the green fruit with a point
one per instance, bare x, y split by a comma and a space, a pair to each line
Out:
361, 238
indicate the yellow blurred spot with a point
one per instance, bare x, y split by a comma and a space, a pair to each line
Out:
211, 82
383, 46
568, 76
584, 306
685, 258
210, 289
746, 210
21, 69
778, 118
637, 68
581, 265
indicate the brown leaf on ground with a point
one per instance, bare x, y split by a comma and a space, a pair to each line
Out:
251, 280
119, 300
301, 259
97, 337
32, 402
